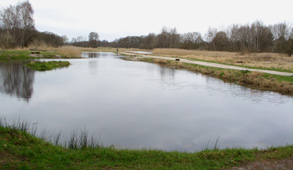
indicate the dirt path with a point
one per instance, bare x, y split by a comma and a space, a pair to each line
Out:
208, 64
286, 164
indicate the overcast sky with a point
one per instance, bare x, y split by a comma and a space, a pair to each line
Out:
113, 19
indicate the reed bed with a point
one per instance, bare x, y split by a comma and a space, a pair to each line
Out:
69, 51
110, 49
80, 137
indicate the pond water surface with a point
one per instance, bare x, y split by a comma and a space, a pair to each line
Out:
141, 105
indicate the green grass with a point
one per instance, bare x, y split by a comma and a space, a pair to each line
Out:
25, 54
20, 150
14, 55
50, 65
280, 78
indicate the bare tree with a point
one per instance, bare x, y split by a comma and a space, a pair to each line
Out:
9, 25
80, 39
26, 20
6, 40
220, 41
17, 22
65, 39
281, 34
149, 41
279, 30
93, 39
191, 40
209, 36
163, 38
173, 38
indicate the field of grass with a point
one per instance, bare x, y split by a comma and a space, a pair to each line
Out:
20, 150
49, 65
270, 61
255, 80
49, 52
25, 54
111, 49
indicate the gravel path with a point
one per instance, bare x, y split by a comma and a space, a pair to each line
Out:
208, 64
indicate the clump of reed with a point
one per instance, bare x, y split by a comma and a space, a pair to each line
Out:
69, 51
160, 61
79, 138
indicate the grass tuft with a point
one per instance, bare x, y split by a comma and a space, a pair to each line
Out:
50, 65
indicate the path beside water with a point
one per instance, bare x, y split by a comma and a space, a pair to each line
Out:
208, 64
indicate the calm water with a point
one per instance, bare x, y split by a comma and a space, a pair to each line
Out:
141, 105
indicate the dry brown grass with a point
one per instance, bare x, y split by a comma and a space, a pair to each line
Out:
40, 45
69, 51
160, 61
259, 60
72, 51
99, 49
109, 49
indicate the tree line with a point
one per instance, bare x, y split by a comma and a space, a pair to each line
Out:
255, 37
92, 41
17, 29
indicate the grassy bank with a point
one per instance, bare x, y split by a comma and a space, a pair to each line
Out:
15, 55
24, 54
255, 80
50, 65
269, 61
20, 150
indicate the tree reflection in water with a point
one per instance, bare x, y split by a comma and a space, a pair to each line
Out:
15, 79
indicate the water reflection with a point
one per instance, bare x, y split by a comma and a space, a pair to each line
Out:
167, 72
17, 80
246, 94
93, 55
